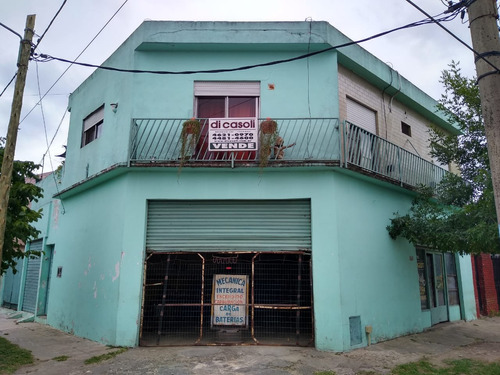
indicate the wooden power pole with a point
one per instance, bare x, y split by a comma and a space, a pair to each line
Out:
483, 16
15, 115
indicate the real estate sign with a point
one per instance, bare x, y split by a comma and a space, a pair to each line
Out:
232, 134
229, 300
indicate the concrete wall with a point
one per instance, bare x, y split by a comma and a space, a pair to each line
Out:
357, 269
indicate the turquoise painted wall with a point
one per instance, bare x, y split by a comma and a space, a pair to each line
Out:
357, 269
303, 88
466, 288
84, 300
379, 281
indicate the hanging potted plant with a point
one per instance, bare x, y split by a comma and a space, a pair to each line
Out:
190, 134
267, 136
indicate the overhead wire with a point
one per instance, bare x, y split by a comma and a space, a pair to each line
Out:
452, 34
43, 118
81, 53
47, 58
8, 84
50, 24
12, 31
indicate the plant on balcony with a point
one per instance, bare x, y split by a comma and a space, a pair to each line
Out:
267, 137
189, 138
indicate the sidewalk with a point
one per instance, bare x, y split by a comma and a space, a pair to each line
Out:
478, 339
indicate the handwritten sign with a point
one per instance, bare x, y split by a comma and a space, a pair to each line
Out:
229, 300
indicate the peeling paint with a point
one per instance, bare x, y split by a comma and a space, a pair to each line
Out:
117, 272
55, 213
95, 289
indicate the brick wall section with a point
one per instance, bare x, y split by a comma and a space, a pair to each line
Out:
390, 113
476, 291
486, 284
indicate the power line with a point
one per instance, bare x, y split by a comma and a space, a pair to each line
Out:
12, 31
81, 53
50, 24
8, 84
452, 34
47, 58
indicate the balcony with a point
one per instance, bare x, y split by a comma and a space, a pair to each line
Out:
301, 142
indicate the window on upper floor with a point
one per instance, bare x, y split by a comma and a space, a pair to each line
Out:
92, 126
405, 129
224, 99
362, 116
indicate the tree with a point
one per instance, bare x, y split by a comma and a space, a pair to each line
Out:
459, 214
18, 228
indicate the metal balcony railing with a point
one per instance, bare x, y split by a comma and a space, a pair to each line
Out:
376, 155
311, 139
306, 141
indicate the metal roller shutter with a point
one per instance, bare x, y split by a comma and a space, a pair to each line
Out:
361, 116
226, 88
268, 225
32, 278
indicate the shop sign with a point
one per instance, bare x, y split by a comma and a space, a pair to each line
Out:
229, 300
232, 134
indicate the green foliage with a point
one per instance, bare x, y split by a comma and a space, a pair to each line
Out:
19, 215
13, 357
104, 357
458, 367
61, 358
459, 214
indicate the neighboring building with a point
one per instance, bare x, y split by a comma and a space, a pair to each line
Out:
233, 247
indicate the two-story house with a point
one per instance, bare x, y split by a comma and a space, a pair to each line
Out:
235, 231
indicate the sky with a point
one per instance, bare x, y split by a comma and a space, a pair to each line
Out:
419, 54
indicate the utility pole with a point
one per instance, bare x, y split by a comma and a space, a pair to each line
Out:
483, 16
15, 115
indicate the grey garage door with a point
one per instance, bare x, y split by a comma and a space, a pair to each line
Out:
229, 225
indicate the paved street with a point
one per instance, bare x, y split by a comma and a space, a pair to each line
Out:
476, 339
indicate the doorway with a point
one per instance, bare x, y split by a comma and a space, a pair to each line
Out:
244, 298
437, 288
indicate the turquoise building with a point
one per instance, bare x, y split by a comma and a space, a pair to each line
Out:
264, 221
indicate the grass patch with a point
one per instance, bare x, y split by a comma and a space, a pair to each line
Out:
13, 357
61, 358
104, 357
458, 367
324, 373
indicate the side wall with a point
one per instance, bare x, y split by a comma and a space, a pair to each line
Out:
390, 113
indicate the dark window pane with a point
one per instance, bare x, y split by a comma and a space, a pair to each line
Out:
242, 106
424, 304
212, 106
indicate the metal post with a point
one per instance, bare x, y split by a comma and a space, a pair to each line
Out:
297, 312
163, 299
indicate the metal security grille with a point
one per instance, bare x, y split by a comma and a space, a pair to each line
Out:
181, 295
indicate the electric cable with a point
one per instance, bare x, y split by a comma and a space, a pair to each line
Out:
46, 137
452, 34
50, 24
8, 84
47, 58
81, 53
42, 112
12, 31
